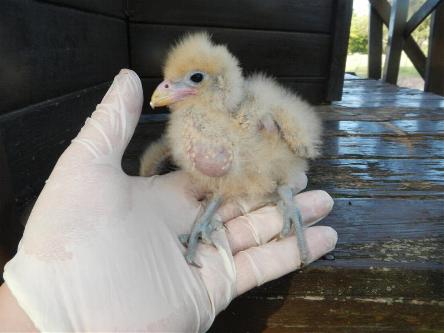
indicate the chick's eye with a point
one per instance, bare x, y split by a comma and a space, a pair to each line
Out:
196, 77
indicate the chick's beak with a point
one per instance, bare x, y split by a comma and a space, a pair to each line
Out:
168, 92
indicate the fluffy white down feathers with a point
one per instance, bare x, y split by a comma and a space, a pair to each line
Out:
236, 136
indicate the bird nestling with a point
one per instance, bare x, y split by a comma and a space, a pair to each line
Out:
237, 137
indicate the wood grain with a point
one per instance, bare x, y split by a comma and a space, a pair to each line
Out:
407, 127
398, 16
48, 51
338, 53
303, 15
113, 8
374, 45
36, 136
283, 55
434, 81
317, 314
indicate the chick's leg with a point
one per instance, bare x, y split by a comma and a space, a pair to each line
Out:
202, 229
292, 217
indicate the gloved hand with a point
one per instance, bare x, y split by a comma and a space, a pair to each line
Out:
101, 252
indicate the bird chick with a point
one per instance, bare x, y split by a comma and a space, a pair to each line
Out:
237, 137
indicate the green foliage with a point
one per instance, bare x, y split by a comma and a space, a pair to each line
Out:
421, 33
358, 42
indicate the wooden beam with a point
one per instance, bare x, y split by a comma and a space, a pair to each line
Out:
412, 49
374, 45
416, 56
421, 14
395, 43
434, 80
341, 32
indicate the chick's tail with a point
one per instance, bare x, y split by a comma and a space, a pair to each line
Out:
154, 157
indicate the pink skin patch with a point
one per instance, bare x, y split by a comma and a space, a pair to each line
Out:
211, 160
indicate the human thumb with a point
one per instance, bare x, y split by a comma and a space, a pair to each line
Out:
107, 132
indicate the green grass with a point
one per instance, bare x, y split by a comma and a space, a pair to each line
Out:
357, 63
408, 76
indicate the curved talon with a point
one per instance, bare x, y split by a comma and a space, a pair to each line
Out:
184, 239
206, 238
190, 260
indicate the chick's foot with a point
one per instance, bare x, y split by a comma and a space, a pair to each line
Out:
202, 230
292, 218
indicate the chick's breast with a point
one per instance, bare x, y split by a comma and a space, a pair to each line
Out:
224, 155
202, 143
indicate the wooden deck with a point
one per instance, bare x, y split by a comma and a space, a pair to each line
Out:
383, 164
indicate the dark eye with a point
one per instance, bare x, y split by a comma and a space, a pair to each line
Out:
196, 77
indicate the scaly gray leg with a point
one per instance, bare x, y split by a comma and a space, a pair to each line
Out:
202, 229
292, 217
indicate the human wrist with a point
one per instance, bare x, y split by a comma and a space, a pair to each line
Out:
12, 317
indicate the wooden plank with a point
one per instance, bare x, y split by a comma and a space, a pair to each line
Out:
47, 51
324, 281
338, 55
398, 147
401, 128
285, 15
377, 94
434, 79
113, 8
417, 57
285, 54
371, 113
282, 314
395, 221
388, 104
410, 47
421, 14
311, 89
398, 17
372, 177
374, 45
38, 134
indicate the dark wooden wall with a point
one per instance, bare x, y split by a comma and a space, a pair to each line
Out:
302, 43
57, 59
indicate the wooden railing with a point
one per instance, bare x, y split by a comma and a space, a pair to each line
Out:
430, 67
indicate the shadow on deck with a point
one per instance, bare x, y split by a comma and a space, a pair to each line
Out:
383, 164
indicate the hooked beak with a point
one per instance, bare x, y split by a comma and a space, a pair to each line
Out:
168, 92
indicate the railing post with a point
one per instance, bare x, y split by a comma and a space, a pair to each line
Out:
434, 78
374, 44
398, 18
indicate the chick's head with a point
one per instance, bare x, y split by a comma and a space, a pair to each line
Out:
198, 72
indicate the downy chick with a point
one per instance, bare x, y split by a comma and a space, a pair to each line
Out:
237, 138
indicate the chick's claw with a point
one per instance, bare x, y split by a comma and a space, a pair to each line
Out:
292, 217
202, 230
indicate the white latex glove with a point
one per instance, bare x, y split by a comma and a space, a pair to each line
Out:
101, 253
